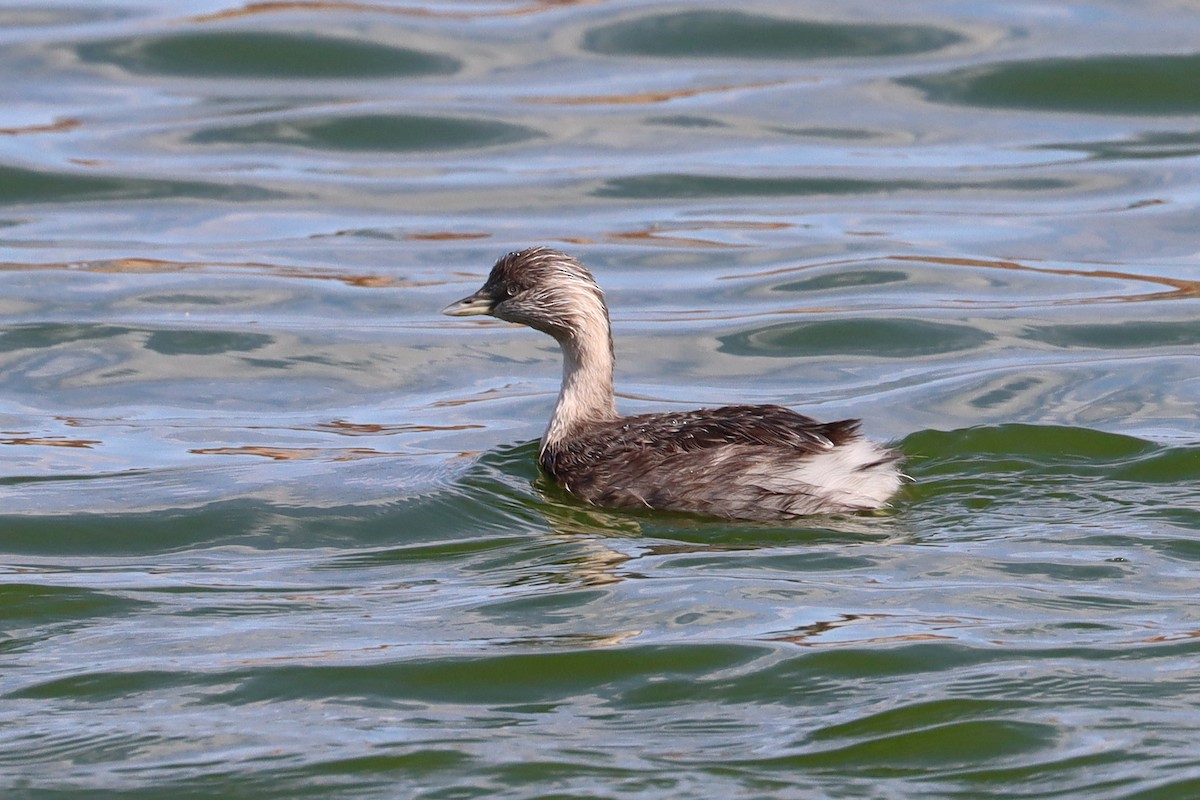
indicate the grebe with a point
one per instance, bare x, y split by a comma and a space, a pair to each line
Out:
748, 462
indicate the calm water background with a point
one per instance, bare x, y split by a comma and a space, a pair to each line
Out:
270, 527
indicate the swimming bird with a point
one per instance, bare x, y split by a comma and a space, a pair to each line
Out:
746, 462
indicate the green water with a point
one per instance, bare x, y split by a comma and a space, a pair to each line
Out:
270, 527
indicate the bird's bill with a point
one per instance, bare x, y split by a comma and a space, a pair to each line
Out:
476, 304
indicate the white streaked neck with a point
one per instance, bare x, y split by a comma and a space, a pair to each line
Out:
587, 384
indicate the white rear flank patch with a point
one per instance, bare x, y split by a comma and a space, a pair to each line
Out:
840, 475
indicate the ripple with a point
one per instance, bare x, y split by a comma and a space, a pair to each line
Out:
237, 54
548, 676
204, 343
44, 335
734, 34
845, 279
1152, 145
22, 185
978, 741
879, 338
30, 16
1091, 481
26, 604
1135, 334
372, 132
1173, 465
1043, 445
919, 715
682, 185
96, 686
1140, 84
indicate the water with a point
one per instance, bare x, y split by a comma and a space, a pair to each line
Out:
271, 527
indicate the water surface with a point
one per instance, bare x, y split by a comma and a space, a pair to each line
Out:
271, 527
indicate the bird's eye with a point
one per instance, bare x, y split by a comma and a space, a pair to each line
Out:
510, 290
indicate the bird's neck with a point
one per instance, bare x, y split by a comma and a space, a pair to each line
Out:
587, 384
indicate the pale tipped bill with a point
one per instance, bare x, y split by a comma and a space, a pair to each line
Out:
474, 305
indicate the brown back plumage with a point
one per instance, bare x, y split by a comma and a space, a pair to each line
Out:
723, 462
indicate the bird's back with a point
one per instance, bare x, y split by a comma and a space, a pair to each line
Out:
755, 462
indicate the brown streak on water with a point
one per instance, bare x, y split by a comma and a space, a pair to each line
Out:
648, 97
135, 265
1180, 287
50, 441
445, 236
295, 453
344, 428
58, 126
655, 233
286, 6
